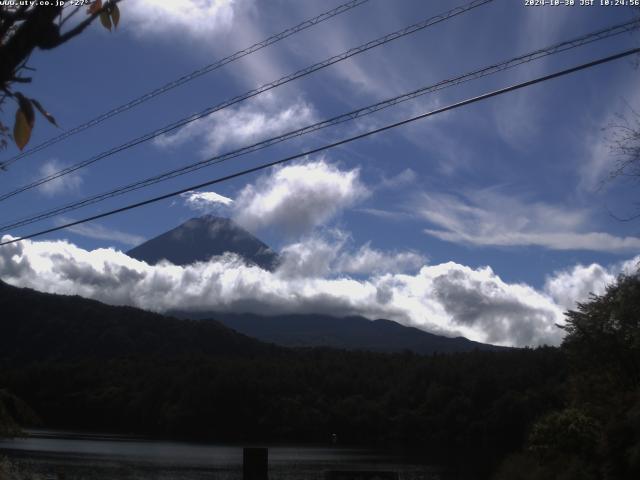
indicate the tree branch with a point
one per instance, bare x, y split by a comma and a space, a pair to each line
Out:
9, 18
21, 79
36, 30
15, 16
78, 29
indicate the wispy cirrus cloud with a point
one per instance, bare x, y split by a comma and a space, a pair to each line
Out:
404, 178
265, 117
65, 184
198, 18
100, 232
488, 218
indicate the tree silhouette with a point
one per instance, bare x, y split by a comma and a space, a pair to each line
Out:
603, 335
25, 27
597, 434
624, 140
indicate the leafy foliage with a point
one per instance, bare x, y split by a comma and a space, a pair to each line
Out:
598, 436
25, 27
568, 432
82, 364
13, 412
603, 335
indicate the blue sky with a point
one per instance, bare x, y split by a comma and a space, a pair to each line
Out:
513, 183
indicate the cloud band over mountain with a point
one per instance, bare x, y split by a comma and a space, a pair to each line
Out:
448, 298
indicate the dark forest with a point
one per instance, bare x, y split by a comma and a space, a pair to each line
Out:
517, 413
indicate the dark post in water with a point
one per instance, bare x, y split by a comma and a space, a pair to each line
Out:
255, 462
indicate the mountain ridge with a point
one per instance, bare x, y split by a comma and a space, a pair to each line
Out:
200, 238
349, 333
83, 365
54, 327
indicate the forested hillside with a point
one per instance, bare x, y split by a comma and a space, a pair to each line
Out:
84, 365
597, 433
349, 333
37, 326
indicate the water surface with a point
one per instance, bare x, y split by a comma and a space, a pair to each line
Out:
70, 455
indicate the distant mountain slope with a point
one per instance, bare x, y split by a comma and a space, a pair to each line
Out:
37, 326
82, 365
351, 333
201, 238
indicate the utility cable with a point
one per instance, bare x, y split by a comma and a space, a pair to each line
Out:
281, 161
252, 93
345, 7
355, 114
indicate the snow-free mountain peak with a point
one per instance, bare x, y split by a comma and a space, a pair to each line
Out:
200, 238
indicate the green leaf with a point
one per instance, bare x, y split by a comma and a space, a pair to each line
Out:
44, 113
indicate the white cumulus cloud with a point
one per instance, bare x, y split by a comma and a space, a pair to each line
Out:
448, 298
575, 284
266, 116
198, 18
297, 198
318, 256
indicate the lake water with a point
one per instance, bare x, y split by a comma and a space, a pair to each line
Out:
56, 455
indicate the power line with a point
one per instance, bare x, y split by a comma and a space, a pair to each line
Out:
264, 166
188, 77
492, 69
252, 93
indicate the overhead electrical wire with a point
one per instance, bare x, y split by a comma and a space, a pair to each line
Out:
345, 7
492, 69
252, 93
281, 161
